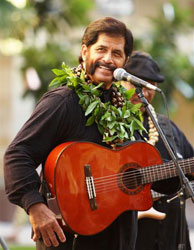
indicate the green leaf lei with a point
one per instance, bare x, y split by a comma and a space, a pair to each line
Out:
115, 124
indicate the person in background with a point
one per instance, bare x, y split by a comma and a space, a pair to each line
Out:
57, 118
158, 234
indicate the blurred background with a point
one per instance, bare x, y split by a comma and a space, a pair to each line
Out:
38, 35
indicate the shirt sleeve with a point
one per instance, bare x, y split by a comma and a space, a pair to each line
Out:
184, 146
184, 150
30, 148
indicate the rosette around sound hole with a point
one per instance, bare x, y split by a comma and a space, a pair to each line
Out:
130, 178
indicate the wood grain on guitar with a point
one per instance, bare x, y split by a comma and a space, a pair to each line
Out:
93, 185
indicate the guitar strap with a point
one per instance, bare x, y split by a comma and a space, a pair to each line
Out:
44, 190
51, 201
164, 124
53, 205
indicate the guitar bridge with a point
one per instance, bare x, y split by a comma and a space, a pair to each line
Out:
90, 187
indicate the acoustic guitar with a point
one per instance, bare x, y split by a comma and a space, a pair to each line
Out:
93, 185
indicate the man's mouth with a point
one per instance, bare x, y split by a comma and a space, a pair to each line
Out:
102, 67
105, 66
93, 66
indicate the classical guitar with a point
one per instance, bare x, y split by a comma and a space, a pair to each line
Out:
93, 185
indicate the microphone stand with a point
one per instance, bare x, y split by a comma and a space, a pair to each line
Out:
186, 189
3, 244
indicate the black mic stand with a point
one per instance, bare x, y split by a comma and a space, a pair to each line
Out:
186, 189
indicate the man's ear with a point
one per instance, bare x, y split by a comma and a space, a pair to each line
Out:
84, 50
126, 61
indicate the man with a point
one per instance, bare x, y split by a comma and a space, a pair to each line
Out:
158, 234
58, 118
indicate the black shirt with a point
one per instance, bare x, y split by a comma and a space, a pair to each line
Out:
165, 234
59, 118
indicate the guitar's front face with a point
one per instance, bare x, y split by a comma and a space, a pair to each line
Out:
94, 184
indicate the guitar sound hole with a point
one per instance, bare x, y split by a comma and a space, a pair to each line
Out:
130, 179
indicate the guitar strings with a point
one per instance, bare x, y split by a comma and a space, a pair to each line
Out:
111, 187
155, 167
115, 187
112, 180
145, 170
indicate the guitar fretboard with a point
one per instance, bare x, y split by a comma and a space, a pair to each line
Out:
166, 170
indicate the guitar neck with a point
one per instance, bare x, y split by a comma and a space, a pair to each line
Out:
166, 170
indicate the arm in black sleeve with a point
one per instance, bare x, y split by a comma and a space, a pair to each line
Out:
30, 148
184, 146
183, 149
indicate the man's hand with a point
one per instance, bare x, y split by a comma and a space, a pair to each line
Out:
45, 225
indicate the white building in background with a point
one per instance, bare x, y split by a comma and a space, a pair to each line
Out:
116, 7
14, 111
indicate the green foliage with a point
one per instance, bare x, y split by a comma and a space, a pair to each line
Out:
5, 11
115, 124
43, 60
78, 8
162, 44
43, 28
18, 247
15, 22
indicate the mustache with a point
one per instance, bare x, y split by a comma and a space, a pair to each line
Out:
92, 67
110, 67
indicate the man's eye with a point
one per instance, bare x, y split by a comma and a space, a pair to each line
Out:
117, 54
100, 49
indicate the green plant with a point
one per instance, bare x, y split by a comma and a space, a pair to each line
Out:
43, 27
21, 247
161, 43
115, 124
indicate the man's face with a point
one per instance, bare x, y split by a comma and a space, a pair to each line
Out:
103, 57
148, 93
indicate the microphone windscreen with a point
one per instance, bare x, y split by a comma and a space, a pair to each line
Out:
118, 74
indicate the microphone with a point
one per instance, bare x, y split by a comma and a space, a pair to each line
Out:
122, 75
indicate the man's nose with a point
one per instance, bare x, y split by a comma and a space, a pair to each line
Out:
108, 57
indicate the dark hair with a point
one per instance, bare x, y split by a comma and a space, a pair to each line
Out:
109, 26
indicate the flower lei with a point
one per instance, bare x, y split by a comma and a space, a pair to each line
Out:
153, 135
115, 124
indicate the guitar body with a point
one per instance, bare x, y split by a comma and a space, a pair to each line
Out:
66, 170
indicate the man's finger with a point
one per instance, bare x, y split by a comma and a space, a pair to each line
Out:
36, 235
46, 239
53, 238
60, 233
